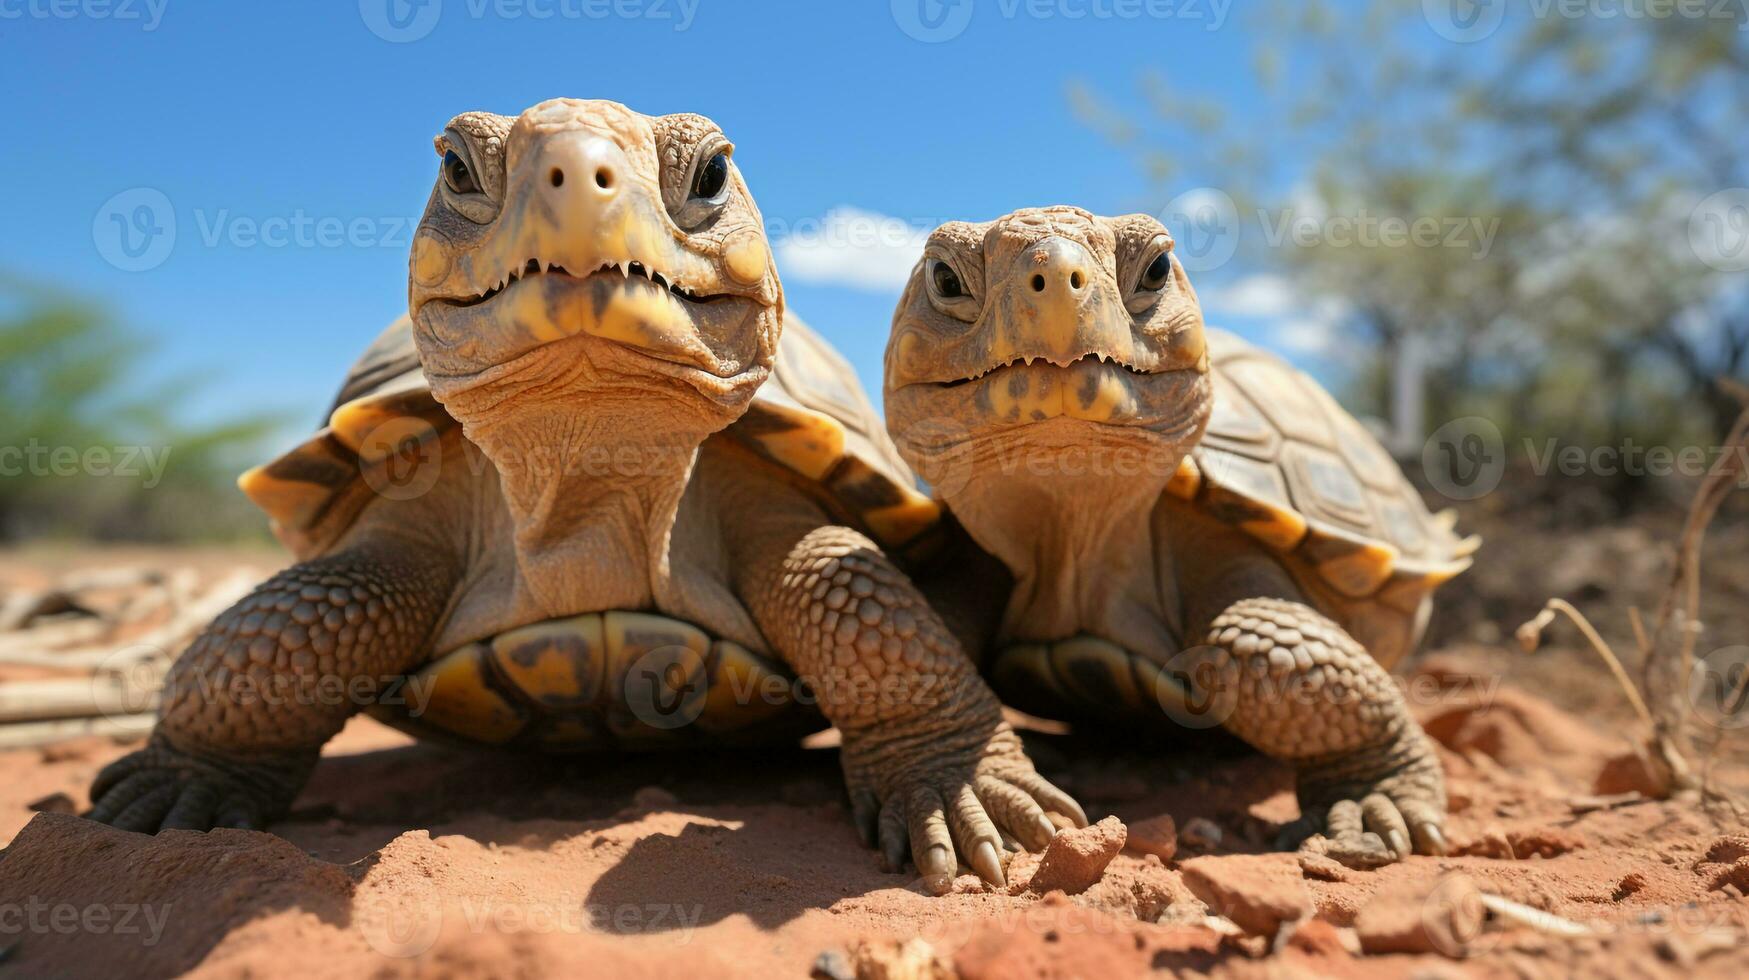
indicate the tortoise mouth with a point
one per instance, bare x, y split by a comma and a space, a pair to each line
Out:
625, 270
1045, 361
625, 304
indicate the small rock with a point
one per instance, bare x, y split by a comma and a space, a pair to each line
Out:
1201, 833
1075, 859
1734, 876
653, 798
1259, 892
1727, 850
913, 960
53, 803
1445, 917
1155, 836
832, 965
1323, 867
1320, 938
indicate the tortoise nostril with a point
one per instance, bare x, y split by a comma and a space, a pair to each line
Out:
1075, 279
603, 178
1038, 284
558, 177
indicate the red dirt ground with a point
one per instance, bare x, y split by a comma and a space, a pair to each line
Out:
404, 859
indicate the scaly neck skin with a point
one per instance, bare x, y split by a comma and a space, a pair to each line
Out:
1083, 552
593, 482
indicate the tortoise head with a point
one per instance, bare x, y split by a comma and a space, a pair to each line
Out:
1043, 336
582, 247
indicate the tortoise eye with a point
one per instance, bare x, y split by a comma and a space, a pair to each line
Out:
946, 281
712, 177
457, 174
1158, 271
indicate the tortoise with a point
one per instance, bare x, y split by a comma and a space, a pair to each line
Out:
1193, 532
597, 490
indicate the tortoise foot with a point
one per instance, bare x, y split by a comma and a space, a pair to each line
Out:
1375, 806
948, 800
163, 788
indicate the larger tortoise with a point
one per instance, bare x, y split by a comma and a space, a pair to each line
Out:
1193, 531
583, 496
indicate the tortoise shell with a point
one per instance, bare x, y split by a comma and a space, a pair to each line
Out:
602, 681
1284, 462
811, 417
614, 679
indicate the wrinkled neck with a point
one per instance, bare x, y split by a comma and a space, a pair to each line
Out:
593, 483
1082, 551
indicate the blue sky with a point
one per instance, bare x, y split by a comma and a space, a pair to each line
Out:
251, 118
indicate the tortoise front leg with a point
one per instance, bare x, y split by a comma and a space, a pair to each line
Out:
1298, 687
249, 704
927, 756
1294, 684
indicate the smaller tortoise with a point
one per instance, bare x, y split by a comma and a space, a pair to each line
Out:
1194, 530
585, 494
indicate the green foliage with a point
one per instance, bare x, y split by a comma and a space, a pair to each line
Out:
1581, 144
88, 449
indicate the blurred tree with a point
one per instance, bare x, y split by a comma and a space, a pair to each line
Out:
89, 449
1572, 291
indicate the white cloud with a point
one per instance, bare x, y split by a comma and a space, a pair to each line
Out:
849, 247
1293, 321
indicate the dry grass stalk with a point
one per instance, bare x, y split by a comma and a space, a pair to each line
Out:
1660, 698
